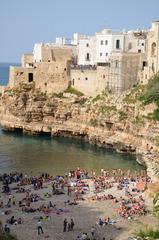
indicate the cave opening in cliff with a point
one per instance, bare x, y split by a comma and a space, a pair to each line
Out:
45, 134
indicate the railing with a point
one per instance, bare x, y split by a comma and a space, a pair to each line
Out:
84, 67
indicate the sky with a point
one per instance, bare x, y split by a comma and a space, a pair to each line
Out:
25, 22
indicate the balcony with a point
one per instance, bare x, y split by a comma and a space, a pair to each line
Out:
84, 67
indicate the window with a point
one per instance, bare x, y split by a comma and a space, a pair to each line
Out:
117, 44
106, 42
153, 68
101, 42
86, 78
116, 63
73, 81
142, 44
153, 49
103, 76
106, 64
87, 45
139, 50
144, 64
129, 46
101, 54
87, 57
106, 54
30, 77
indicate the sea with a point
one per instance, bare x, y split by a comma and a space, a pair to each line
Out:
4, 72
37, 154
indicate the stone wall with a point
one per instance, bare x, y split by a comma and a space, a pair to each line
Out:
91, 82
58, 54
19, 75
27, 60
52, 77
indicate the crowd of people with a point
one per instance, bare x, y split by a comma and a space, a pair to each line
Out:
78, 185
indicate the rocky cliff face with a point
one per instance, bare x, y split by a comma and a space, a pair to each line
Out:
118, 122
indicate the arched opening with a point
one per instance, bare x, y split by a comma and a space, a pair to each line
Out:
153, 49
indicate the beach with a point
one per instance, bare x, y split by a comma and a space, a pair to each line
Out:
85, 208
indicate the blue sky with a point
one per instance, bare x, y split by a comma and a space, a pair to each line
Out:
24, 22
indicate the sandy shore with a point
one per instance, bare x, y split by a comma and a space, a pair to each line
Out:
85, 215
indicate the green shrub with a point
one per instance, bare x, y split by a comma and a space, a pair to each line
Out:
138, 120
107, 109
151, 95
122, 116
94, 122
58, 95
156, 205
51, 105
82, 101
97, 98
132, 97
72, 90
157, 140
148, 234
155, 115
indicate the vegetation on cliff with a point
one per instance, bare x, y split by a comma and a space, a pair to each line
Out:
151, 95
148, 234
156, 205
74, 91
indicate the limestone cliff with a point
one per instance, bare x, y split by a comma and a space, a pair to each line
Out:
120, 122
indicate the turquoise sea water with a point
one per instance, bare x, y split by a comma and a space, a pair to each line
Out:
57, 155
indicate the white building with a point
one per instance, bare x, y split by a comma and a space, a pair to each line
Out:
106, 43
87, 51
98, 49
37, 52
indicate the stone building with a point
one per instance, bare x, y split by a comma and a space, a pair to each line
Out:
27, 60
135, 41
89, 80
151, 62
51, 75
